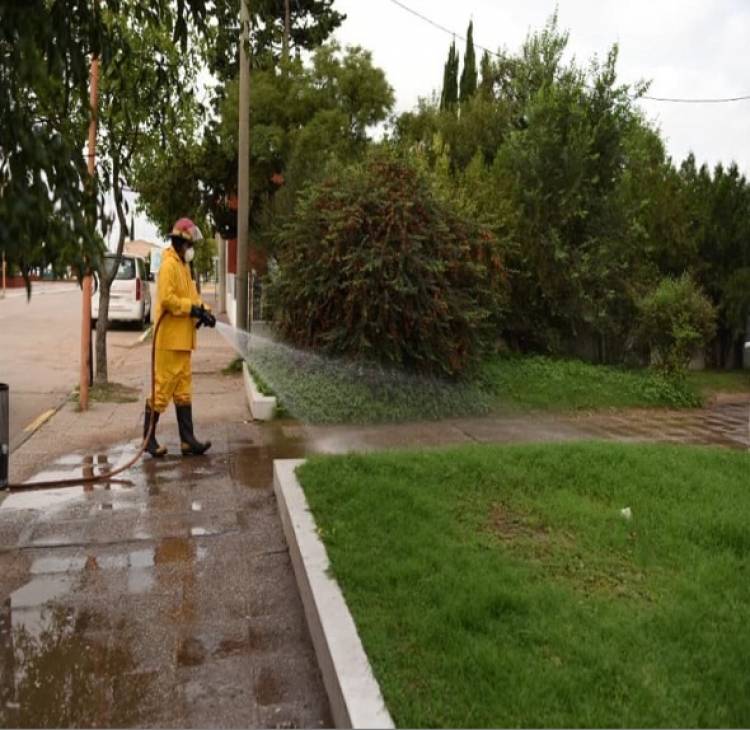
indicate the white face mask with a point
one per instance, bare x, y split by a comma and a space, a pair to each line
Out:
189, 255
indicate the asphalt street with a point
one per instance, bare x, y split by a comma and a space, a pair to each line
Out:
40, 341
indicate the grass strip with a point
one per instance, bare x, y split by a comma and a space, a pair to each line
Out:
109, 393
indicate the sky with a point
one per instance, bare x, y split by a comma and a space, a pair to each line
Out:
686, 48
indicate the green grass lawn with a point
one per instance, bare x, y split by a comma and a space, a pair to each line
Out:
500, 586
545, 383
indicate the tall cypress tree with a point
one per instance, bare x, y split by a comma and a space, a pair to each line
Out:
449, 97
469, 75
487, 82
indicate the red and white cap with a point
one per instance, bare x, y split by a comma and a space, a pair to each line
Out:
186, 230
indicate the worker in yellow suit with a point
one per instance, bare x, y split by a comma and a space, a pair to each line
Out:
177, 295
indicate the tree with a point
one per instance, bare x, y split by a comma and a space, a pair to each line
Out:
47, 202
300, 119
449, 98
46, 205
575, 182
487, 81
312, 23
142, 92
719, 209
469, 73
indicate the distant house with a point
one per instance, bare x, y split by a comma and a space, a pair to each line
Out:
151, 252
141, 248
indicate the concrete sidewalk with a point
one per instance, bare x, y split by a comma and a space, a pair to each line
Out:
166, 602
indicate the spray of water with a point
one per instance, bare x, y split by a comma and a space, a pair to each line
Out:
318, 389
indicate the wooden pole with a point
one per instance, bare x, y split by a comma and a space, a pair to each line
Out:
86, 362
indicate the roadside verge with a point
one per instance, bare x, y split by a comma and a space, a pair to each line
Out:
353, 691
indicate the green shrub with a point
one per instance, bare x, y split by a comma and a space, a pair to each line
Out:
376, 267
675, 319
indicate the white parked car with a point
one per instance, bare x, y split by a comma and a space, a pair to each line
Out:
130, 295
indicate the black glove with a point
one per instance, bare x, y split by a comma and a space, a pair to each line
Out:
203, 316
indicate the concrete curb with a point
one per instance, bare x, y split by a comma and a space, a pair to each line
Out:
262, 407
353, 691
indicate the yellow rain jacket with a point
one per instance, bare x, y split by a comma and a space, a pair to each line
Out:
176, 294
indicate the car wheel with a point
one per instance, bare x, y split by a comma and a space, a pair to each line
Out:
148, 316
93, 323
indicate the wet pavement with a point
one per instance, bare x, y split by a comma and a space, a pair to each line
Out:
165, 601
724, 423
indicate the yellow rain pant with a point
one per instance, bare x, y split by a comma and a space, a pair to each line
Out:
173, 379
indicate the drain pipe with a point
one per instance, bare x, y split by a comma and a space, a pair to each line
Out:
4, 434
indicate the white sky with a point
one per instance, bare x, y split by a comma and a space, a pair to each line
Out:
687, 48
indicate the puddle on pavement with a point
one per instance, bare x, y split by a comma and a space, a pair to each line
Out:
253, 466
268, 688
174, 550
53, 577
140, 581
191, 653
57, 565
158, 473
40, 590
72, 466
47, 499
67, 671
207, 531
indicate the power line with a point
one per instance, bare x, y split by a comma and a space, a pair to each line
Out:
727, 100
668, 99
437, 25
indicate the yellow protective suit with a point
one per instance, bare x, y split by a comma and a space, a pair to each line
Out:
176, 339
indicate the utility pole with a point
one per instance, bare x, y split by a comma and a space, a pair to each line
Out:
243, 172
287, 29
87, 282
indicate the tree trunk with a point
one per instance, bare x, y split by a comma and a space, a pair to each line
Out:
107, 277
102, 325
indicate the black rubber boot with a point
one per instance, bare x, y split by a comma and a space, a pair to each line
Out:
152, 446
189, 444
